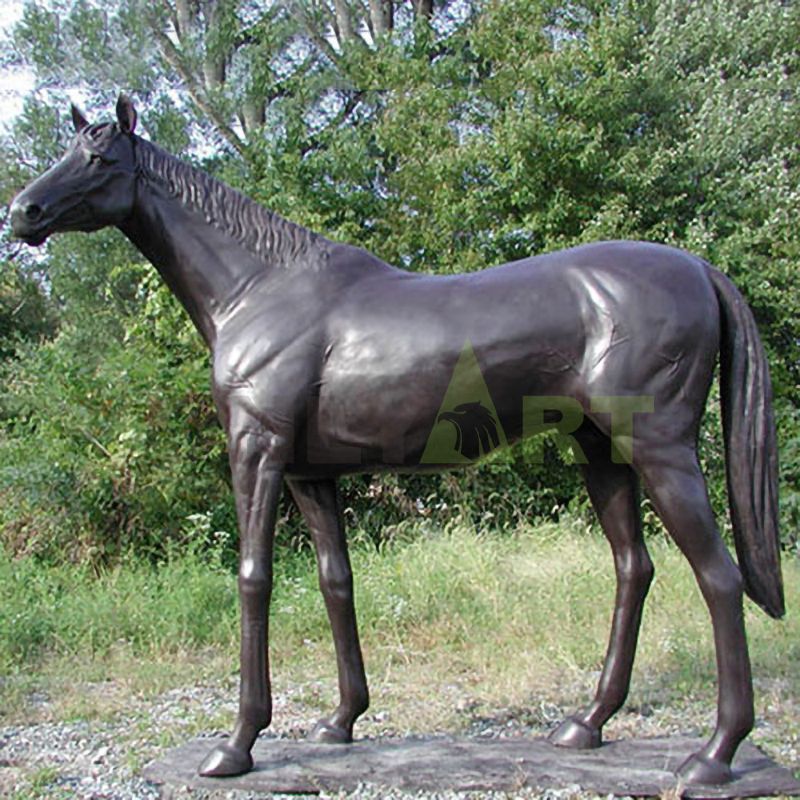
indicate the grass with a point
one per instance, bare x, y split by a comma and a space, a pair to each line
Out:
456, 625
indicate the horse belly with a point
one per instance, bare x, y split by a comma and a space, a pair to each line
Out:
379, 411
363, 422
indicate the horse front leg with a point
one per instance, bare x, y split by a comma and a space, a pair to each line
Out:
257, 482
318, 501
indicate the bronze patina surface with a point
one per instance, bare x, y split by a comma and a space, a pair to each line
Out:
326, 360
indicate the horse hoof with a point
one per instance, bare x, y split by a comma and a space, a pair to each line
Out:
225, 761
575, 734
326, 733
702, 769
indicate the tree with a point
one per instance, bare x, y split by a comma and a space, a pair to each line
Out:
24, 312
443, 137
228, 61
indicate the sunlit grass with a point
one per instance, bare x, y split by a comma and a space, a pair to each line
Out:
446, 618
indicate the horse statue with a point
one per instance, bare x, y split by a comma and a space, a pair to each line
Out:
328, 361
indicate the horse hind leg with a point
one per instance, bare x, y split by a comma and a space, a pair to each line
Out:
614, 493
677, 488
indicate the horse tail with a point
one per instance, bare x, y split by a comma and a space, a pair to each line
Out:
750, 448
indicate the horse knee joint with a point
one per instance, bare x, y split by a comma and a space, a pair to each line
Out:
253, 580
337, 586
637, 570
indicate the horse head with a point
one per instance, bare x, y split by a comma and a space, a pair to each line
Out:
90, 187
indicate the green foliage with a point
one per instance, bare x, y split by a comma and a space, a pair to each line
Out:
24, 311
487, 132
439, 601
107, 445
177, 604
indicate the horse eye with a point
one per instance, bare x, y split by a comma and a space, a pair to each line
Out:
96, 158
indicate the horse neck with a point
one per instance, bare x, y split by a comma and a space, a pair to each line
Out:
205, 239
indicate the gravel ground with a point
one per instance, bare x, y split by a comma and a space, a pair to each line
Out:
102, 758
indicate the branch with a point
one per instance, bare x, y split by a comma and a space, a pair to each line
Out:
96, 442
252, 34
313, 32
196, 91
185, 15
349, 107
343, 24
423, 8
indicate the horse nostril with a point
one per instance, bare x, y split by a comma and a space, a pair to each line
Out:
33, 212
27, 219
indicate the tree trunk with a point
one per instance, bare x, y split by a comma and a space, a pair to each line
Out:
186, 13
254, 114
381, 14
423, 8
343, 21
213, 71
214, 57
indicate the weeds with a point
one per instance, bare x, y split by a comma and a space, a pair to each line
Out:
497, 617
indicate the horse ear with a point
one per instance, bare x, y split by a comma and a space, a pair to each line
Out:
126, 114
78, 120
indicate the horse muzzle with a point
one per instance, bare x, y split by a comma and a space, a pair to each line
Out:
29, 221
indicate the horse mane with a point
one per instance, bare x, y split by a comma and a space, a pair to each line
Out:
277, 241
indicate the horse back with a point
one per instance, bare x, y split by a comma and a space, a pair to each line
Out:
358, 362
611, 319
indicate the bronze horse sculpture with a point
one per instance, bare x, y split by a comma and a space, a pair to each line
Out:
328, 361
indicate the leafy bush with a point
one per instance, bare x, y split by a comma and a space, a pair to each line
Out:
522, 127
107, 448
